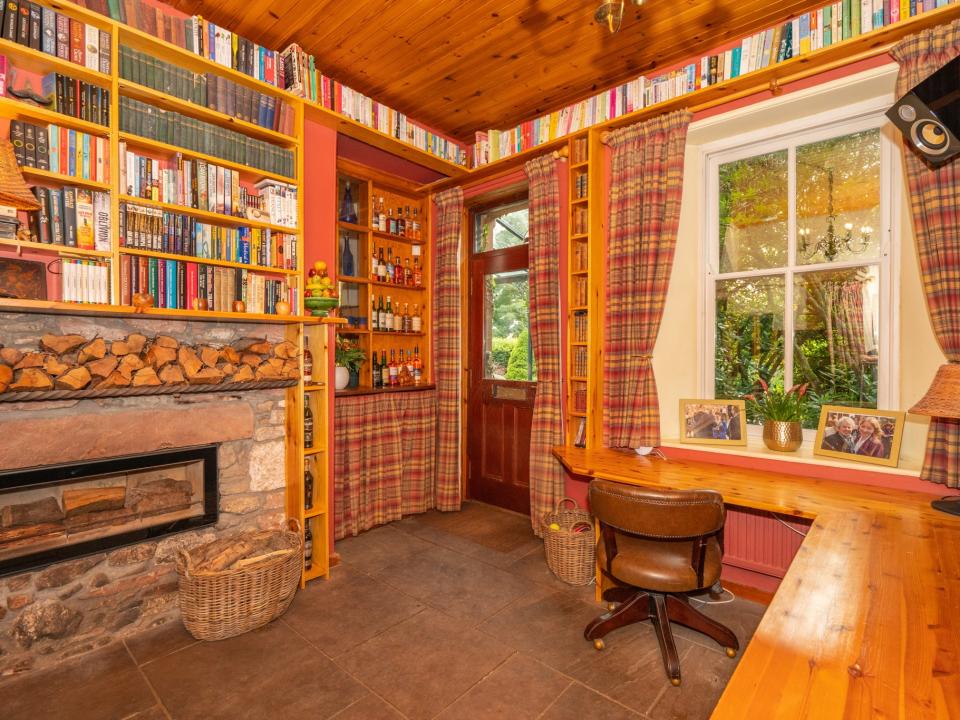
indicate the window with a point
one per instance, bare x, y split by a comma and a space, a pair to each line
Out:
798, 285
501, 227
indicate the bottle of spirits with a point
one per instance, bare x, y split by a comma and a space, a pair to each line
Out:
307, 547
307, 366
407, 324
348, 211
389, 269
398, 320
388, 317
401, 223
382, 315
384, 370
394, 369
307, 426
307, 486
377, 376
391, 223
416, 226
417, 272
381, 267
374, 265
381, 217
374, 315
416, 324
417, 365
407, 272
398, 274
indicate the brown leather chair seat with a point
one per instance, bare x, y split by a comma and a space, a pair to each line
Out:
661, 565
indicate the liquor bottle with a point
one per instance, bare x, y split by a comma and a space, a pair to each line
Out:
307, 426
307, 486
382, 319
398, 320
374, 265
407, 273
388, 275
407, 325
348, 212
377, 376
388, 317
401, 223
394, 369
417, 365
398, 274
307, 366
417, 272
374, 315
391, 223
346, 257
410, 362
384, 370
307, 547
381, 217
416, 226
381, 267
416, 324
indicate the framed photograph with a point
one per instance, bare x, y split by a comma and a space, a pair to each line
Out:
713, 422
860, 434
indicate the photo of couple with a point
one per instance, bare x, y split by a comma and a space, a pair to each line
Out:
719, 421
867, 435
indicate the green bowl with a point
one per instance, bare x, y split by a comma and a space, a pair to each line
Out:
320, 306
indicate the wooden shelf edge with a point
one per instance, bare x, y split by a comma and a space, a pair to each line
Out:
59, 249
213, 217
53, 307
31, 59
19, 108
205, 261
47, 175
359, 392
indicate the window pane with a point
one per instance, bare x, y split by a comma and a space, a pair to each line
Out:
753, 213
507, 347
501, 227
837, 315
838, 198
749, 334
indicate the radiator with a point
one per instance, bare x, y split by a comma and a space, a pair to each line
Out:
755, 541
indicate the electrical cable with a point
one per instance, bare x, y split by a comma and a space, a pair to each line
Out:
716, 602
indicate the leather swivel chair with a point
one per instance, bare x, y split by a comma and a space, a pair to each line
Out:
655, 547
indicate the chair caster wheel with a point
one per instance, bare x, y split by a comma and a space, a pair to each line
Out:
675, 682
598, 644
611, 607
731, 652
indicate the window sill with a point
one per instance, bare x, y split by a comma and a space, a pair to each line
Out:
803, 456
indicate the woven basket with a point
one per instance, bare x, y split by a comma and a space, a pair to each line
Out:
571, 556
216, 605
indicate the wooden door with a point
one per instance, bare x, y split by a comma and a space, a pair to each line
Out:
502, 376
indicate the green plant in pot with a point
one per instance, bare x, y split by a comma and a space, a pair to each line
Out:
782, 412
349, 359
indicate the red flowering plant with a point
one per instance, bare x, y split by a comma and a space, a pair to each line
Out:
772, 402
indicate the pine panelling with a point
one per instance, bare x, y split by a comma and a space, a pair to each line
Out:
462, 67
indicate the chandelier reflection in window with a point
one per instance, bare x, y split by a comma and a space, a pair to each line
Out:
832, 243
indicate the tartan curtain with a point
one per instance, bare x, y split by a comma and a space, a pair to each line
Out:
546, 473
646, 184
383, 469
935, 203
446, 346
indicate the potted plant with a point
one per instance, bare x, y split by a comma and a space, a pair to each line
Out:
782, 412
349, 358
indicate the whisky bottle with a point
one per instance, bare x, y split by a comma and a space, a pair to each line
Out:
407, 273
394, 369
391, 223
398, 272
307, 486
388, 275
307, 366
416, 226
417, 365
417, 272
307, 426
307, 547
406, 324
384, 370
398, 320
381, 217
416, 324
374, 264
377, 376
388, 317
374, 315
381, 315
401, 223
381, 267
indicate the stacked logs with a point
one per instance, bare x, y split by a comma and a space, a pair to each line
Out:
73, 362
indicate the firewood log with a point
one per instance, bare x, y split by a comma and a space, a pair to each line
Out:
75, 379
6, 374
158, 356
165, 341
30, 360
55, 367
172, 375
117, 379
227, 368
244, 344
189, 361
205, 376
209, 356
268, 372
243, 374
60, 344
285, 350
276, 363
31, 379
145, 377
230, 355
133, 362
96, 499
102, 367
251, 360
133, 343
261, 348
10, 356
96, 349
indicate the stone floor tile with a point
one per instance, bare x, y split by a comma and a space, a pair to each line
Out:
369, 707
705, 674
375, 549
159, 641
578, 702
741, 616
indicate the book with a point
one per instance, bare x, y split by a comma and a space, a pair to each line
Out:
11, 11
29, 145
43, 215
69, 215
84, 219
91, 47
48, 38
36, 26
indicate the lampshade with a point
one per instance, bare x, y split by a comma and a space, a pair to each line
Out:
943, 397
13, 190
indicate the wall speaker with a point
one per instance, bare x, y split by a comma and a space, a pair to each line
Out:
929, 115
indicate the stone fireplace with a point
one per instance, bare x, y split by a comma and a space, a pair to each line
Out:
64, 606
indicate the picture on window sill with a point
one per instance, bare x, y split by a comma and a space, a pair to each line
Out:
713, 422
860, 434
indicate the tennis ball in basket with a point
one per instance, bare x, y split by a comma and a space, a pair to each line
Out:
554, 526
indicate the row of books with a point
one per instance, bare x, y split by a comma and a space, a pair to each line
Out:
807, 33
73, 217
41, 28
61, 150
205, 186
173, 128
177, 283
292, 69
208, 90
78, 99
85, 281
149, 228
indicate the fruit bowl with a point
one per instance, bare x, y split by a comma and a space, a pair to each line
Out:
320, 306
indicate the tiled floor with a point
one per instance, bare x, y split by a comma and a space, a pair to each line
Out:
449, 616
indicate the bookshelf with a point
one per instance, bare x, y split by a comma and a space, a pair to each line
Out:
357, 242
579, 267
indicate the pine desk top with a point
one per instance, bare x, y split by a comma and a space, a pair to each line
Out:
866, 622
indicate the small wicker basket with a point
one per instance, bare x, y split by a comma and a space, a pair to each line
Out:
216, 605
571, 555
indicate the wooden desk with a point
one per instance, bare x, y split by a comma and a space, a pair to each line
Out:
866, 622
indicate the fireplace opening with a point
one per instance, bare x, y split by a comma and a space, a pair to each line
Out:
58, 512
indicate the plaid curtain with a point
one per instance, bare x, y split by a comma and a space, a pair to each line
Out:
546, 473
935, 201
646, 183
383, 469
446, 346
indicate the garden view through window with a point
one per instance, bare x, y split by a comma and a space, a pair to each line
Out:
508, 350
798, 268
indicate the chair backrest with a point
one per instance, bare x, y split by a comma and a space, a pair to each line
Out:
660, 514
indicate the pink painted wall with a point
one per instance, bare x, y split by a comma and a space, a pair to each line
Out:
370, 156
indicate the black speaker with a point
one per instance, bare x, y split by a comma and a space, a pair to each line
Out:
929, 115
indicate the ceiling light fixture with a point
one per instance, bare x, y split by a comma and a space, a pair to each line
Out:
610, 13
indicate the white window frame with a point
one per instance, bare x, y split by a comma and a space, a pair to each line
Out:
788, 136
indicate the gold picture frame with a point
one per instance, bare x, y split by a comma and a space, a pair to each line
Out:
713, 422
846, 442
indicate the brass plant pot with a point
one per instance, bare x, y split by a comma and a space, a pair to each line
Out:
782, 435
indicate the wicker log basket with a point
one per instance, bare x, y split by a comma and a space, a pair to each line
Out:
569, 543
216, 605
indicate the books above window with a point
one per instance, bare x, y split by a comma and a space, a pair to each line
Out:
40, 28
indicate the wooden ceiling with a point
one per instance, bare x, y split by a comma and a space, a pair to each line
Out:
466, 66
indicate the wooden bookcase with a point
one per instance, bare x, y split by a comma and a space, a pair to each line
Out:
358, 286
